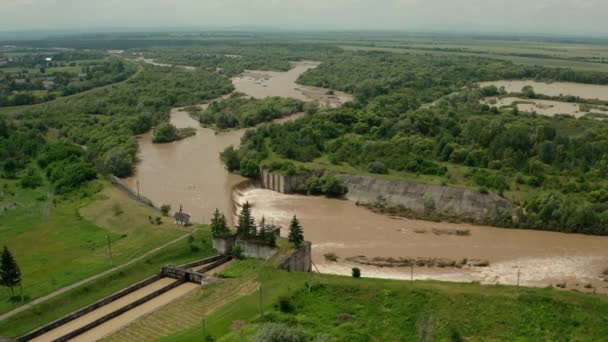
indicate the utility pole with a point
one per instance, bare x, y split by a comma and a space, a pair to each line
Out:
412, 272
110, 249
203, 330
138, 189
518, 274
261, 300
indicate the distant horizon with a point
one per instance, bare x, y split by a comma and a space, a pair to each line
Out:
580, 18
66, 32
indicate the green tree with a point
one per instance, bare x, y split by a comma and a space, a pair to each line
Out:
246, 224
219, 227
165, 133
165, 209
118, 162
296, 235
231, 158
10, 274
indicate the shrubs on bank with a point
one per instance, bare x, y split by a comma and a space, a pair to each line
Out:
328, 185
167, 132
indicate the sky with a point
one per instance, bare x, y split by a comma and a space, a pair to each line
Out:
576, 17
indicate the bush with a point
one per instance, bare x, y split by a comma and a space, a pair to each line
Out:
285, 305
164, 133
377, 167
237, 252
356, 272
165, 209
278, 332
117, 209
31, 180
328, 185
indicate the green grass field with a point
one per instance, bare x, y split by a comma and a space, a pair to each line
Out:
57, 242
347, 309
52, 309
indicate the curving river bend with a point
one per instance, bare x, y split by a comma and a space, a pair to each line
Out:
190, 173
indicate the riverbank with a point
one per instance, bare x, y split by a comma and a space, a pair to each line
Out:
342, 228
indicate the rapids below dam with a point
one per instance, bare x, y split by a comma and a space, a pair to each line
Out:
189, 173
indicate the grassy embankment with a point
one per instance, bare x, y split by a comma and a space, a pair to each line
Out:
58, 241
344, 308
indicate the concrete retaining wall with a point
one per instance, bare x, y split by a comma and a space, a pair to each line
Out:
250, 249
286, 184
74, 315
255, 250
448, 201
213, 262
118, 312
224, 245
201, 262
300, 260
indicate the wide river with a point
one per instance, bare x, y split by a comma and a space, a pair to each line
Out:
190, 173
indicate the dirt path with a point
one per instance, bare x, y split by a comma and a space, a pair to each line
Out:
87, 280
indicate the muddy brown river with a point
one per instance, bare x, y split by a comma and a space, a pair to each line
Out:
585, 91
190, 173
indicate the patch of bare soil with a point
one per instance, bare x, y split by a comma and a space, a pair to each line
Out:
418, 261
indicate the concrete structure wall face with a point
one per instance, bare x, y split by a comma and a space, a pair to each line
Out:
300, 260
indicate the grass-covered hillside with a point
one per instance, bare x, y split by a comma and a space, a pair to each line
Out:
333, 308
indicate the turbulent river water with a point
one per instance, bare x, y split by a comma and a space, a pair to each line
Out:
189, 173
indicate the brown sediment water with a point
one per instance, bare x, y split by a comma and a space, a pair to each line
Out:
104, 310
189, 172
146, 308
586, 91
261, 84
542, 107
345, 229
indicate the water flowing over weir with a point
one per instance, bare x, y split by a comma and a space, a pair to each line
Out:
190, 173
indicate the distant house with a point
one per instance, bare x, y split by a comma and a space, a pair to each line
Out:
182, 218
20, 81
48, 59
82, 75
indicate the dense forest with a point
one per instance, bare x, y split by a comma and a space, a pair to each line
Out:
240, 112
553, 167
402, 123
96, 131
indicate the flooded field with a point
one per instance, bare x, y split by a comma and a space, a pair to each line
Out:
586, 91
261, 84
542, 107
342, 228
